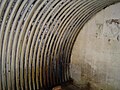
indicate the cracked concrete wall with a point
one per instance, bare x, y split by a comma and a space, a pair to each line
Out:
95, 57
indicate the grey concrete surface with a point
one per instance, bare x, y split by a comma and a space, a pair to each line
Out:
96, 53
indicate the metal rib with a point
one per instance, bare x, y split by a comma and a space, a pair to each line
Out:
36, 40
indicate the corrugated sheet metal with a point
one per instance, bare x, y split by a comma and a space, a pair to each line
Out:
36, 40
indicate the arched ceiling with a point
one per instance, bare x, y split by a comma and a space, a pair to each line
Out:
36, 39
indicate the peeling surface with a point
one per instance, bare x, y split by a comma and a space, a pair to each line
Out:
96, 53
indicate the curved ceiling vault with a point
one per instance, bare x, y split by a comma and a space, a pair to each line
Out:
36, 40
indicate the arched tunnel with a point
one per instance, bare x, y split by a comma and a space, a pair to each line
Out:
37, 39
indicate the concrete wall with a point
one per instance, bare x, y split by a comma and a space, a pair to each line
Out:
95, 59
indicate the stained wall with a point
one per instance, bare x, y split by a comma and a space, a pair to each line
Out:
95, 59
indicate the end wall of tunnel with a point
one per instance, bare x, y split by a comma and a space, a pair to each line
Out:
37, 37
95, 58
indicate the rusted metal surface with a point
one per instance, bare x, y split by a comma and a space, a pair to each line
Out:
36, 39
